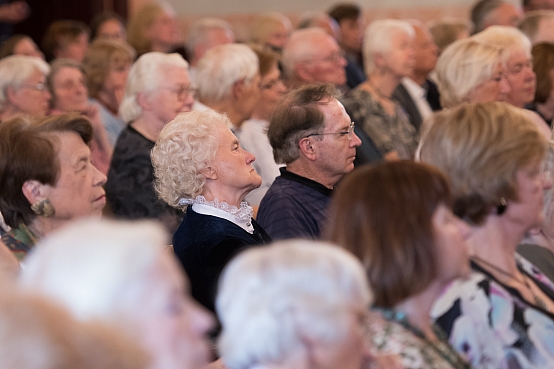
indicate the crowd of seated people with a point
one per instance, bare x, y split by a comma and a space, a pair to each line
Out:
314, 195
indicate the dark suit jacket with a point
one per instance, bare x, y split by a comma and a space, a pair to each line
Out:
204, 244
404, 98
433, 95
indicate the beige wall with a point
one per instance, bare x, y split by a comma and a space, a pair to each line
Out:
240, 12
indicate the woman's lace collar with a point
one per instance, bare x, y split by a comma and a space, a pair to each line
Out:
242, 214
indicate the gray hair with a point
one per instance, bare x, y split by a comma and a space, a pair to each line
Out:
481, 11
378, 39
198, 32
272, 298
15, 69
510, 39
463, 66
221, 67
94, 268
301, 47
185, 146
145, 76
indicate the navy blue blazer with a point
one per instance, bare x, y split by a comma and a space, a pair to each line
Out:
204, 244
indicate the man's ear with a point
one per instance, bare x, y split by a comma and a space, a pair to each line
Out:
34, 191
307, 148
10, 95
302, 72
238, 89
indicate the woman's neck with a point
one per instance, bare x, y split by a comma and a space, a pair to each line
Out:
42, 226
383, 84
144, 126
213, 191
418, 307
496, 242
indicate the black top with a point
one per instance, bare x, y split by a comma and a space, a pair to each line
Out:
129, 188
204, 244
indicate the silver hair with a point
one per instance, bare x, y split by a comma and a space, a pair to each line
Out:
198, 32
15, 69
272, 298
146, 75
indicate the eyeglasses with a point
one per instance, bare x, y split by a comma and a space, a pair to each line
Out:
183, 91
335, 57
38, 86
271, 84
347, 133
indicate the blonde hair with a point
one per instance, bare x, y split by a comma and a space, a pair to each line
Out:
480, 147
264, 25
143, 19
462, 67
185, 147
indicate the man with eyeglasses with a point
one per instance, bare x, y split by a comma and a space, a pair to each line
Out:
313, 136
313, 56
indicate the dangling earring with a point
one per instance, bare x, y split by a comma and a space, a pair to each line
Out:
43, 208
500, 209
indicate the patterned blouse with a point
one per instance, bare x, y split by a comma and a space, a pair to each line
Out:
389, 333
20, 241
492, 326
388, 133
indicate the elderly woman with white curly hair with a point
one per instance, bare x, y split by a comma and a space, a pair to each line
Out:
299, 304
199, 164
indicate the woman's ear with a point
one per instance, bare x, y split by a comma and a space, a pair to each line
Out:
143, 100
34, 191
209, 173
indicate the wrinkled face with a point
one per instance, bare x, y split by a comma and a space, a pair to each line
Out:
521, 78
326, 64
233, 166
173, 326
351, 32
451, 234
335, 150
273, 90
171, 97
426, 51
526, 212
27, 47
351, 352
32, 96
75, 50
112, 30
164, 31
70, 90
400, 60
496, 88
78, 191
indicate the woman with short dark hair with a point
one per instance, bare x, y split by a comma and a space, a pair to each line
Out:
47, 177
412, 247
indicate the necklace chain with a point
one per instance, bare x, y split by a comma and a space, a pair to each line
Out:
538, 301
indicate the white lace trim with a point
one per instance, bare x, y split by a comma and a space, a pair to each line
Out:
242, 214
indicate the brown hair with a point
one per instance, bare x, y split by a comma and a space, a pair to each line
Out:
55, 67
296, 116
61, 33
101, 57
543, 65
9, 45
480, 147
28, 152
266, 57
383, 215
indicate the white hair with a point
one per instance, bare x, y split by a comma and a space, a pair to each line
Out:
95, 267
301, 46
271, 298
510, 39
146, 75
199, 30
379, 36
15, 69
221, 67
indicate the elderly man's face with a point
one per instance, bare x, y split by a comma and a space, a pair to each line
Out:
335, 150
326, 63
426, 51
505, 15
171, 97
